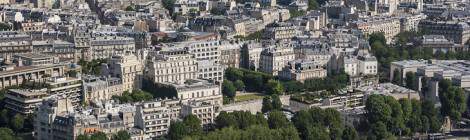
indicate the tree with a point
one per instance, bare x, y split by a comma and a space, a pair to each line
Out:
276, 102
234, 74
228, 89
169, 5
177, 130
130, 8
83, 137
274, 87
377, 36
97, 136
225, 119
277, 119
7, 134
193, 125
312, 5
122, 135
17, 122
296, 13
253, 82
267, 104
4, 27
396, 77
317, 133
453, 102
379, 131
4, 119
239, 85
411, 80
377, 109
350, 133
291, 87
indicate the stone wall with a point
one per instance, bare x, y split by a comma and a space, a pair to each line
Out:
253, 106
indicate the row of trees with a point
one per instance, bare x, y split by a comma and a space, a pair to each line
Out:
388, 117
315, 123
120, 135
242, 79
135, 96
453, 100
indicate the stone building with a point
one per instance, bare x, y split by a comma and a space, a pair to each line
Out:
173, 66
24, 101
128, 67
280, 30
101, 88
275, 58
15, 47
154, 118
390, 26
456, 31
202, 110
302, 70
106, 47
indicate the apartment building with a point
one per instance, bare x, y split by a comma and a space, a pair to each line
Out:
128, 67
456, 31
301, 70
274, 59
390, 26
174, 66
153, 118
202, 110
24, 101
106, 47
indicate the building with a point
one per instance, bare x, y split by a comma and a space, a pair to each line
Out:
69, 87
389, 89
230, 54
438, 43
15, 47
411, 22
12, 75
403, 67
390, 26
274, 59
455, 31
173, 66
53, 122
47, 4
198, 90
367, 63
154, 118
32, 59
280, 30
302, 70
251, 55
202, 110
101, 88
128, 67
106, 47
24, 101
211, 71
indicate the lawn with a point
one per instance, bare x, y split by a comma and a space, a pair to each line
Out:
241, 98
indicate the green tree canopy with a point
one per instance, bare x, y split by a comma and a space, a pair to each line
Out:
239, 85
193, 125
274, 87
7, 134
121, 135
228, 89
277, 119
177, 130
